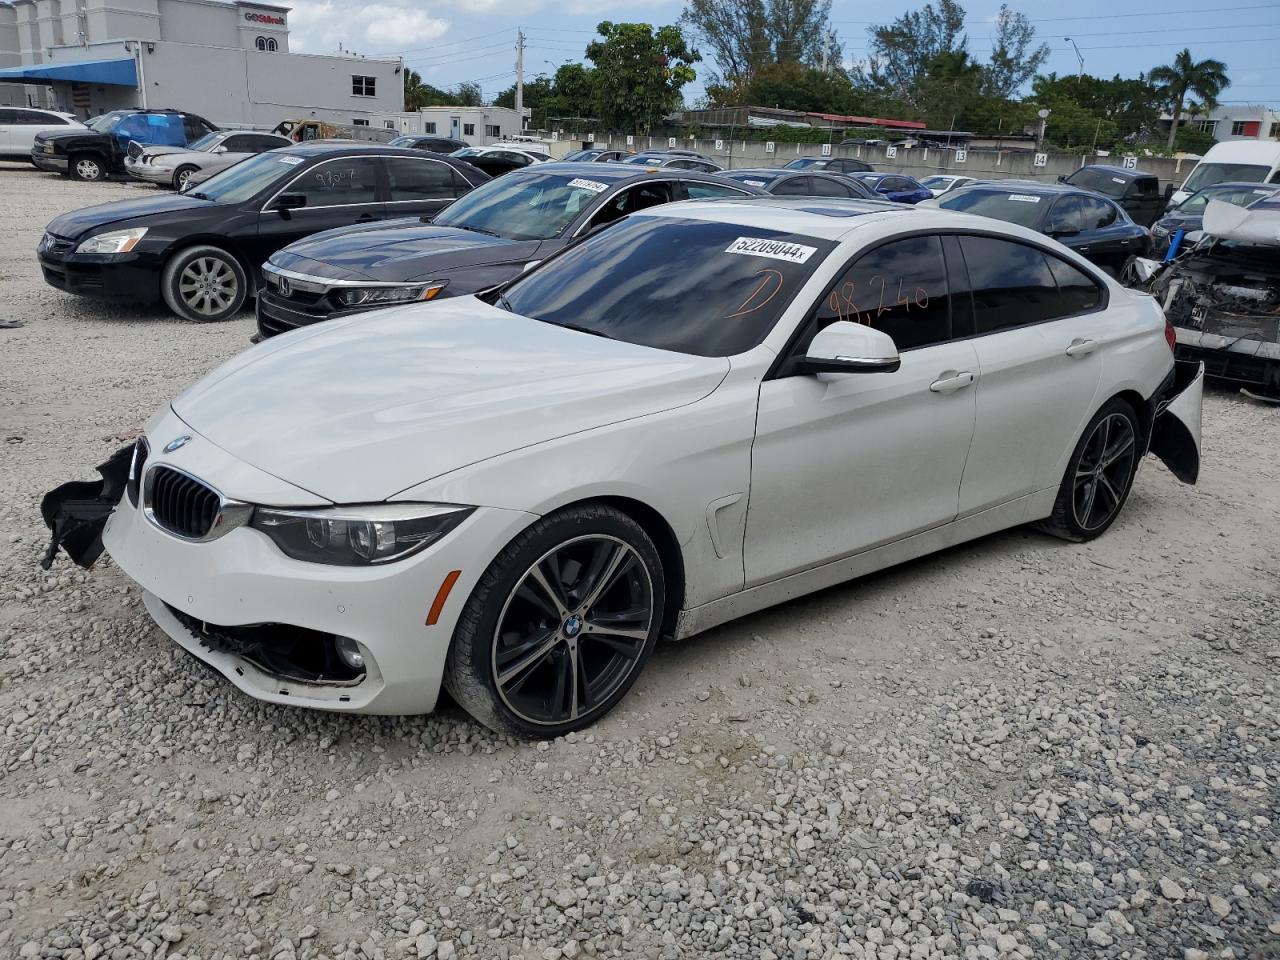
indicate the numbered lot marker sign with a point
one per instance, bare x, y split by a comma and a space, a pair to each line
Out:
671, 141
768, 147
591, 138
719, 144
1131, 163
890, 152
631, 141
1041, 160
826, 149
962, 156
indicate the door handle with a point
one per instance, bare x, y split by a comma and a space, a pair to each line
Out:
366, 218
950, 381
1081, 347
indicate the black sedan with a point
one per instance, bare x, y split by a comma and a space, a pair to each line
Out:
200, 250
801, 183
428, 142
1188, 216
1093, 226
486, 238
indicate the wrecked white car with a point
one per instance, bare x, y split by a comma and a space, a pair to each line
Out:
1222, 295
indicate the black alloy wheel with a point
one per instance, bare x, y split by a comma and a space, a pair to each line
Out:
560, 625
1099, 475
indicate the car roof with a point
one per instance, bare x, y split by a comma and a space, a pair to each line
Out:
1031, 186
616, 172
822, 217
1114, 171
314, 148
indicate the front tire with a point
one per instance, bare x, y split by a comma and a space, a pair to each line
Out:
1099, 475
205, 284
560, 624
181, 176
87, 167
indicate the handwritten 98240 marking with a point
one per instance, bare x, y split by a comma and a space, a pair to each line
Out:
842, 303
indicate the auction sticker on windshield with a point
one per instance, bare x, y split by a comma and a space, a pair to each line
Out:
1024, 198
773, 249
595, 186
291, 161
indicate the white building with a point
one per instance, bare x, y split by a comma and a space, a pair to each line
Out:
477, 126
226, 61
1236, 121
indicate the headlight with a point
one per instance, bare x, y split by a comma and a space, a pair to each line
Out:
117, 241
358, 536
380, 296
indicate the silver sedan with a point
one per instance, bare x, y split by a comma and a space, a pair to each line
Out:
173, 166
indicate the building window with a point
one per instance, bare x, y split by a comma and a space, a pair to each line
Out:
1239, 128
363, 86
1206, 126
357, 122
272, 46
492, 130
261, 43
468, 129
429, 128
1275, 131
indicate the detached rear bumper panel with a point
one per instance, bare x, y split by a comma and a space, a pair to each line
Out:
1175, 436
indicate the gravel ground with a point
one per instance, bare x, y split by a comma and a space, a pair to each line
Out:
1018, 748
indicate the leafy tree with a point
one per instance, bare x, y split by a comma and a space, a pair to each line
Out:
639, 73
792, 86
1014, 60
902, 51
536, 92
469, 95
1131, 106
745, 36
418, 93
572, 93
1204, 79
950, 87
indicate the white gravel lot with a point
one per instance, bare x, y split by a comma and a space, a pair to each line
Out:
1018, 748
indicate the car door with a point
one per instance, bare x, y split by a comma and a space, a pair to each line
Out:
418, 187
843, 463
1113, 236
10, 141
791, 187
335, 192
820, 186
1065, 223
1041, 333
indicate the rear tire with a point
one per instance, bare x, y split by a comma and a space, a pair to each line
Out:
205, 284
180, 177
1099, 475
87, 167
530, 664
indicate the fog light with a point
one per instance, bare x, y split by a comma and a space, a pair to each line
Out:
349, 653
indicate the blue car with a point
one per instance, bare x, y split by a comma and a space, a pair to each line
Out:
894, 186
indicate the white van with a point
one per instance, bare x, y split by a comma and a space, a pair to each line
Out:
1234, 161
19, 126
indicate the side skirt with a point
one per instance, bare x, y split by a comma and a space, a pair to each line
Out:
1035, 506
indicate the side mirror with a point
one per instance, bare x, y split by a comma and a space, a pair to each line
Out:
289, 201
847, 347
220, 149
1062, 178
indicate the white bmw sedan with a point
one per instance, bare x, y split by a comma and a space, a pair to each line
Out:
705, 409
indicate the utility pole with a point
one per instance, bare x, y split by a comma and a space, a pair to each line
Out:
826, 47
520, 77
1079, 56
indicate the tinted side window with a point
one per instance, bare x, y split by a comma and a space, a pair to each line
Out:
1011, 283
1077, 291
629, 201
822, 187
8, 116
900, 288
411, 179
793, 187
34, 118
1148, 187
1098, 213
194, 127
338, 182
1067, 215
711, 191
236, 144
264, 142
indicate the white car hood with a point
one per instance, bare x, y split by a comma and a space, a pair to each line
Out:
357, 410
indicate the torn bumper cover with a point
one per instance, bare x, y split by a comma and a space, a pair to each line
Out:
1175, 431
77, 512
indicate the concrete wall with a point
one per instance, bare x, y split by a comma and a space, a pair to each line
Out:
914, 161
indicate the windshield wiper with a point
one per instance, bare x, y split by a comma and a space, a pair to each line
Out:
579, 329
199, 196
467, 226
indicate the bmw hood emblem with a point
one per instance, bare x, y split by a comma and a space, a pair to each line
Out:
176, 444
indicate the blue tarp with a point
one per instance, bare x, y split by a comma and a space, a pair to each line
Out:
120, 73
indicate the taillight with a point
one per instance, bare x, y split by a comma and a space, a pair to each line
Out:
1170, 334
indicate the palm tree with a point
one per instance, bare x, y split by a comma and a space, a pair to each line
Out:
1205, 79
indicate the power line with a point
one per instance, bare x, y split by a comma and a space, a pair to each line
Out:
1108, 16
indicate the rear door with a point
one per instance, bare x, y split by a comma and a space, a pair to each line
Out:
1109, 236
336, 192
8, 142
1041, 331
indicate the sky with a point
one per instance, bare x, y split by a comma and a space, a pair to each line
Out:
451, 41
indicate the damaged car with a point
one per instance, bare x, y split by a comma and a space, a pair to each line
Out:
708, 408
1222, 295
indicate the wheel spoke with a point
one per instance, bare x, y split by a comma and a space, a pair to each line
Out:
1121, 447
1104, 485
531, 655
609, 562
550, 593
1090, 494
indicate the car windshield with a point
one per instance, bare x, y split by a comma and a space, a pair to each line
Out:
1099, 181
103, 122
804, 162
691, 286
247, 178
1025, 209
936, 183
644, 158
1241, 196
1207, 174
582, 155
208, 141
523, 206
